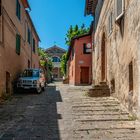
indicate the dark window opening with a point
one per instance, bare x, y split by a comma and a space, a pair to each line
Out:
29, 63
72, 53
55, 59
18, 42
131, 77
18, 10
113, 86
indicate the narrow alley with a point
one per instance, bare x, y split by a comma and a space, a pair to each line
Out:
64, 112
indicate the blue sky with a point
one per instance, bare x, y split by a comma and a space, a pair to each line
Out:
52, 19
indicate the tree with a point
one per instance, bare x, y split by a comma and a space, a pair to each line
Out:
75, 31
64, 63
45, 63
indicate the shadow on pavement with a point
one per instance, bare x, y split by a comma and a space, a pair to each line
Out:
32, 117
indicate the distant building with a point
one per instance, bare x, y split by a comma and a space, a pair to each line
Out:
18, 42
56, 53
80, 60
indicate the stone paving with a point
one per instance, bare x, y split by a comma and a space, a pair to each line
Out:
64, 112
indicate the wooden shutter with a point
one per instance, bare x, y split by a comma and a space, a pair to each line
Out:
119, 9
110, 23
18, 7
33, 45
29, 36
18, 40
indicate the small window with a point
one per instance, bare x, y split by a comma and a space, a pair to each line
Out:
0, 8
86, 49
18, 43
29, 36
131, 77
18, 10
33, 45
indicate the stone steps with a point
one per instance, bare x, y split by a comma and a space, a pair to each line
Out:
115, 134
101, 90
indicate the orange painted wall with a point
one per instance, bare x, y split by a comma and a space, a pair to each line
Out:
75, 63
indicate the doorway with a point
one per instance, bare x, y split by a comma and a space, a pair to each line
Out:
103, 59
84, 75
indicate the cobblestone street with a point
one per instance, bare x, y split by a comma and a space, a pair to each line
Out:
64, 112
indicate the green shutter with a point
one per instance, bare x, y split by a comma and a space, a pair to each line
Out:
29, 36
34, 45
18, 7
18, 38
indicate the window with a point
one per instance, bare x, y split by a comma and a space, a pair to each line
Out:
131, 76
29, 63
119, 9
110, 23
18, 10
113, 86
29, 36
72, 53
56, 59
33, 45
18, 42
0, 8
86, 48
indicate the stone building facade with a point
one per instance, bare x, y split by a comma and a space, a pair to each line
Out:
18, 42
56, 53
117, 48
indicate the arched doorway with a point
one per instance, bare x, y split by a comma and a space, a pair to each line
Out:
103, 59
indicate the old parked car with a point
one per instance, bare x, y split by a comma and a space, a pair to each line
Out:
32, 79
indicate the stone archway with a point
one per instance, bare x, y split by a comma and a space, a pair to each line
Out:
103, 59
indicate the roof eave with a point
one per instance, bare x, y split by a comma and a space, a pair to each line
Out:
90, 7
26, 4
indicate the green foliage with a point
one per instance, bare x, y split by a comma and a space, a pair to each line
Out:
64, 63
75, 31
42, 53
45, 60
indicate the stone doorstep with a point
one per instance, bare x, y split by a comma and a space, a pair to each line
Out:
99, 93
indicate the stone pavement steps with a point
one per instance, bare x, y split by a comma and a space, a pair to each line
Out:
106, 135
102, 117
90, 113
104, 125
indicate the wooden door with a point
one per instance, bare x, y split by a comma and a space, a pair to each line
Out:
84, 75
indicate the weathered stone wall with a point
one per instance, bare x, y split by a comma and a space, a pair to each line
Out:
122, 47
